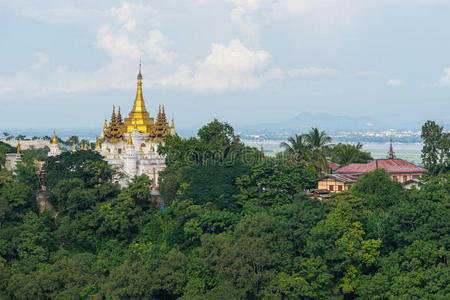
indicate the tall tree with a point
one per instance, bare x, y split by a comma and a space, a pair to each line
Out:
318, 142
436, 148
297, 147
345, 154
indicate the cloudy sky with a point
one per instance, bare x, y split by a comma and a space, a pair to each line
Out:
65, 62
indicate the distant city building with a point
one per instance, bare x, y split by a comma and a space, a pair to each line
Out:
342, 178
28, 144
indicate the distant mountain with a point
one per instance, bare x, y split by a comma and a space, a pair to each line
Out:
334, 123
331, 123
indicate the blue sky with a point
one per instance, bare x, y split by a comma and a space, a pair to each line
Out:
65, 63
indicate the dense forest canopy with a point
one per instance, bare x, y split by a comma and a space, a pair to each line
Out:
237, 225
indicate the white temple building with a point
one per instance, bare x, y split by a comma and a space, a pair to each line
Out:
131, 145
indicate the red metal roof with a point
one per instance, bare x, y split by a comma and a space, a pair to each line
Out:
346, 178
395, 165
333, 165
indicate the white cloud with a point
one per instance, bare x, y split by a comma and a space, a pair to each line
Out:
228, 67
395, 82
313, 72
317, 15
157, 47
445, 81
250, 15
124, 37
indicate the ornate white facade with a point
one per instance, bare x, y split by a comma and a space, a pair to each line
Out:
54, 147
131, 145
133, 156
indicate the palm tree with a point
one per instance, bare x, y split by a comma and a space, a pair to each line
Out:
296, 147
346, 154
318, 143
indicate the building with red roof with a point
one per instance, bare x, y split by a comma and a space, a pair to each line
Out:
342, 178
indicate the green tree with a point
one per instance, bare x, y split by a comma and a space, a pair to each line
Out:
297, 148
345, 154
378, 189
436, 148
273, 183
73, 140
86, 165
131, 280
318, 142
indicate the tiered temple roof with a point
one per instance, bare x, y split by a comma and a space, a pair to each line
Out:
113, 132
139, 119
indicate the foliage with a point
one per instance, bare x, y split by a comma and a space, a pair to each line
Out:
5, 148
86, 165
344, 154
234, 227
436, 148
273, 182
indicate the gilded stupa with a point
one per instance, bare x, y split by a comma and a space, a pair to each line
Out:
131, 145
139, 119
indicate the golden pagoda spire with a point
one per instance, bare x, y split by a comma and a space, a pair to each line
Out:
74, 148
97, 143
130, 141
139, 105
54, 141
106, 124
90, 146
173, 124
18, 148
138, 116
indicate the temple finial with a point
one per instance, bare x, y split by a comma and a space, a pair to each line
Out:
55, 140
139, 77
18, 148
391, 153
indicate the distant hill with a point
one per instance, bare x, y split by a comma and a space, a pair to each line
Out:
335, 123
331, 123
